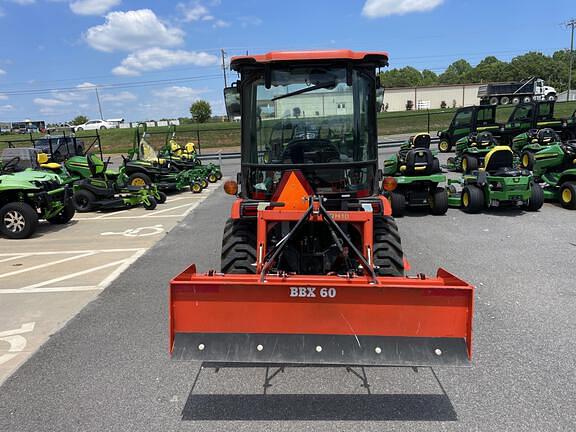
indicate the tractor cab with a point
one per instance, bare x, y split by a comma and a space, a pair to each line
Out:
467, 120
312, 114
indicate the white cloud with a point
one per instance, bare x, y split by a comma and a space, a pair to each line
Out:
193, 11
246, 21
179, 92
123, 96
159, 58
93, 7
23, 2
50, 102
131, 31
85, 85
3, 96
220, 23
6, 107
381, 8
2, 72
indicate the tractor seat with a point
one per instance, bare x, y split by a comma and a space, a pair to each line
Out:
51, 166
547, 136
420, 141
485, 139
420, 161
500, 162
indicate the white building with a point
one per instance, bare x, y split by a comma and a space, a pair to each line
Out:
429, 97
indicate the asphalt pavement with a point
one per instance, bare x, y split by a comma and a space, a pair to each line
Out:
108, 369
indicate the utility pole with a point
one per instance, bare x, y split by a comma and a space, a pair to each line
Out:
99, 105
224, 67
572, 24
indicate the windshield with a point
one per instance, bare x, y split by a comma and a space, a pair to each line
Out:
310, 116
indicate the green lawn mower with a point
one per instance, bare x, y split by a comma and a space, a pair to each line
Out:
529, 143
27, 195
555, 168
184, 157
498, 184
471, 151
413, 175
144, 167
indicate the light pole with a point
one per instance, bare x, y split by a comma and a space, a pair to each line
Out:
572, 24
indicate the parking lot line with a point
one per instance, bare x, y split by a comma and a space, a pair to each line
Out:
48, 264
165, 210
25, 254
12, 258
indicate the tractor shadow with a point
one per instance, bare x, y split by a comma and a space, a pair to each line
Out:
46, 228
318, 407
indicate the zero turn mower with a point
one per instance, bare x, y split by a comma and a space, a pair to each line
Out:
312, 268
498, 184
412, 178
470, 151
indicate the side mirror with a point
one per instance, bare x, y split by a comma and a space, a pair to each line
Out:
232, 100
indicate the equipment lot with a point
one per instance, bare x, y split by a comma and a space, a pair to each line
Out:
46, 280
109, 369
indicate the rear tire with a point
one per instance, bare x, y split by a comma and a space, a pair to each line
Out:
204, 183
438, 201
527, 160
84, 201
468, 164
65, 215
388, 255
239, 247
139, 179
472, 199
527, 99
515, 100
398, 203
568, 195
18, 220
493, 100
536, 200
212, 178
196, 188
504, 100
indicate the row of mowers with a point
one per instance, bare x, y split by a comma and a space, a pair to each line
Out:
414, 176
33, 186
537, 166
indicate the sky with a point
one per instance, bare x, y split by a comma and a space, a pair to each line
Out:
152, 59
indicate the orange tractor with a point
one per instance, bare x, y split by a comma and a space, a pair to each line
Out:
312, 268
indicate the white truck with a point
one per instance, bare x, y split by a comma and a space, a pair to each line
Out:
504, 93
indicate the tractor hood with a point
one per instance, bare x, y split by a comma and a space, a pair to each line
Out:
29, 180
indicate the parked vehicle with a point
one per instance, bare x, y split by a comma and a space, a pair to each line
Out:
504, 93
467, 120
94, 125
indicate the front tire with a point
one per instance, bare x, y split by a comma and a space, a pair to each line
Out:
444, 145
568, 195
196, 187
162, 197
468, 164
150, 204
239, 247
527, 160
18, 220
65, 215
472, 199
388, 255
438, 201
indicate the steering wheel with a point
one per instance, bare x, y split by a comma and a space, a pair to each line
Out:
11, 165
310, 151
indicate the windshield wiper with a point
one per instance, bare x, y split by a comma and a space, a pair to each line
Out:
307, 89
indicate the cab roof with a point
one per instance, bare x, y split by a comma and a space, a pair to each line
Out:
380, 58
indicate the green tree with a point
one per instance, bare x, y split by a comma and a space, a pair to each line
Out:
428, 78
457, 73
78, 120
201, 111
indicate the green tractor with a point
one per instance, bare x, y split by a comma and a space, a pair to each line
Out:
526, 145
413, 175
184, 157
471, 151
498, 184
555, 168
27, 195
143, 167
